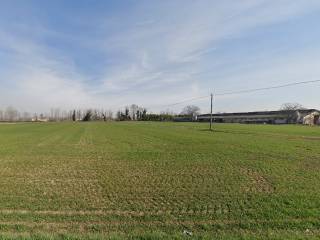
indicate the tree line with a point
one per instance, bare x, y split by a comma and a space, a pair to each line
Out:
129, 113
132, 112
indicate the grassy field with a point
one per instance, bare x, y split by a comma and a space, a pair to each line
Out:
157, 180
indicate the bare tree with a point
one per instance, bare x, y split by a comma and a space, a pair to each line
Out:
11, 114
26, 116
168, 112
57, 114
35, 117
133, 111
119, 115
291, 106
191, 110
109, 115
64, 115
292, 111
79, 115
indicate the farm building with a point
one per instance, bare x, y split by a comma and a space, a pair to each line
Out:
312, 118
270, 117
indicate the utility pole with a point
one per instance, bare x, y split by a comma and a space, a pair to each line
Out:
211, 113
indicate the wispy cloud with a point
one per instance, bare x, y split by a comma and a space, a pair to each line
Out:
162, 53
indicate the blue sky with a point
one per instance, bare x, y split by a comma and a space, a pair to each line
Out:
108, 54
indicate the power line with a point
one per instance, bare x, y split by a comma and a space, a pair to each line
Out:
266, 88
244, 91
238, 92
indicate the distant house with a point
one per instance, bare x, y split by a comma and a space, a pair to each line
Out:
40, 119
312, 118
267, 117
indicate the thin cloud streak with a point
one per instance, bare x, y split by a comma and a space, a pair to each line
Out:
156, 57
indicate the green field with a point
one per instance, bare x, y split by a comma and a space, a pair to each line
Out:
148, 180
